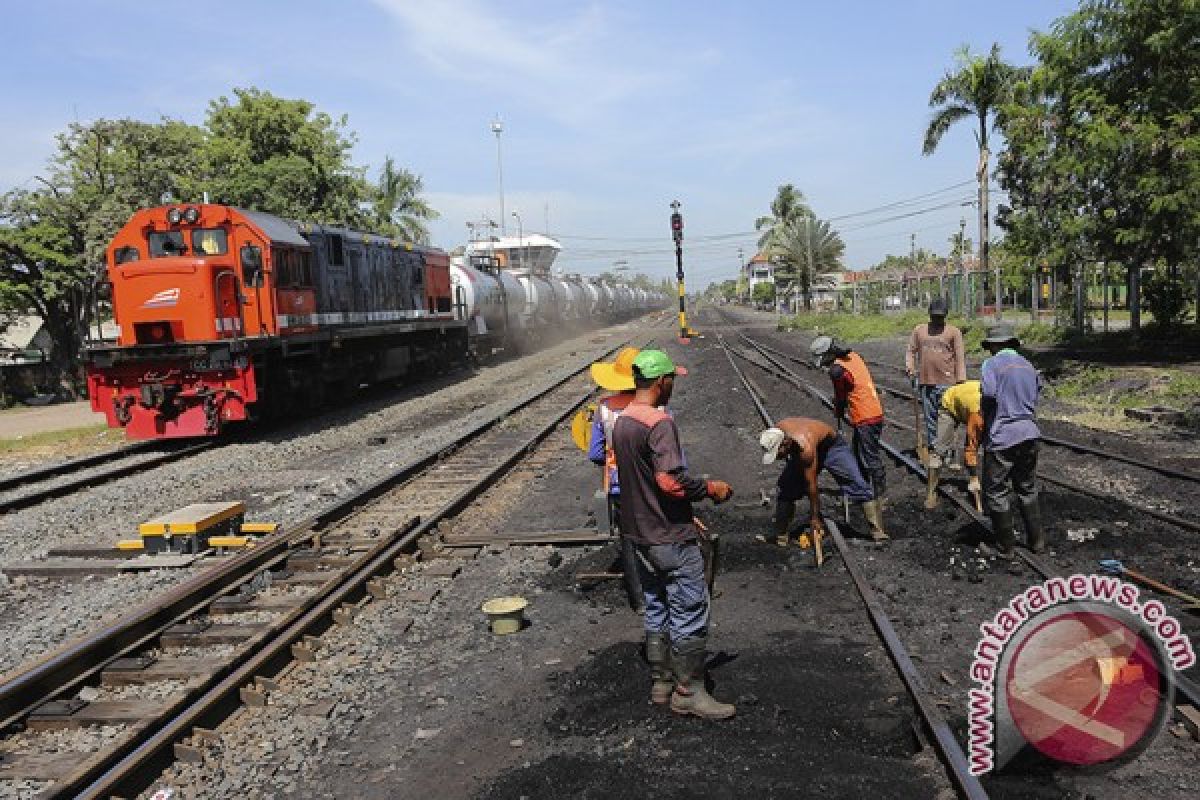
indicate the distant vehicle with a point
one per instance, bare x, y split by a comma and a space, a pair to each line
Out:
227, 315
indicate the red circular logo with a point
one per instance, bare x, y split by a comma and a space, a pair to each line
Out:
1085, 688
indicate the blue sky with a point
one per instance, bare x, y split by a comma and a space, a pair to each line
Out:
611, 109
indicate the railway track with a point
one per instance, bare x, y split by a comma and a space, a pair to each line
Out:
776, 356
220, 640
59, 480
1187, 689
949, 751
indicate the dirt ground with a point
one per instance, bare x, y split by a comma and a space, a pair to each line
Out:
16, 422
447, 710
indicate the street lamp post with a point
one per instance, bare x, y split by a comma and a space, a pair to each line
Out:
521, 239
498, 128
742, 272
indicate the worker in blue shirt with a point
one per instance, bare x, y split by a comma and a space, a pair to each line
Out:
1009, 390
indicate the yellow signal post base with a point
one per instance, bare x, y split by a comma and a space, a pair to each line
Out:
230, 542
259, 528
131, 544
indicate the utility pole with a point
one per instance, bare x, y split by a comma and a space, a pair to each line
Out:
677, 235
962, 268
809, 254
742, 272
498, 128
912, 257
984, 259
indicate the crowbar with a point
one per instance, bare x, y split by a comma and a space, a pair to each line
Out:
1114, 567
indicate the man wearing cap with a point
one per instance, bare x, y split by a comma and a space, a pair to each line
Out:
960, 406
616, 377
936, 360
808, 446
854, 390
657, 493
1009, 396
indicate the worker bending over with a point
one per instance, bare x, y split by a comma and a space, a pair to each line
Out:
1009, 397
960, 406
854, 390
808, 446
935, 360
656, 513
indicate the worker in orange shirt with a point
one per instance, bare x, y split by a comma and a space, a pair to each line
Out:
854, 393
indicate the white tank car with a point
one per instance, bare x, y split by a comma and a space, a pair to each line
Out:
484, 295
540, 308
577, 307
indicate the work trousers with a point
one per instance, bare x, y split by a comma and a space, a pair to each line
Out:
931, 404
839, 460
943, 445
1010, 471
672, 577
868, 452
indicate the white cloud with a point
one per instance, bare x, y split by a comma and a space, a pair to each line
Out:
574, 69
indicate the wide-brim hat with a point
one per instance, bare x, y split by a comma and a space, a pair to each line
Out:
617, 376
1001, 334
938, 308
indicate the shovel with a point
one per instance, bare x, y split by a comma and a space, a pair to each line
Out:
1111, 566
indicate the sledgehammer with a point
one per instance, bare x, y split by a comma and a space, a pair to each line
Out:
1113, 567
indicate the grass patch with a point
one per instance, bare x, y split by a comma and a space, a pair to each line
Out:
1098, 396
860, 327
89, 436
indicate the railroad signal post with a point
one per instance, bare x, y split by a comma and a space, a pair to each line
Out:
677, 235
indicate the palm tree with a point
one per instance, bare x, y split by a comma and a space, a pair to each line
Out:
808, 247
399, 208
976, 87
789, 203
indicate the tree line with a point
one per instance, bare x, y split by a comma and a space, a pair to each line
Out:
1101, 162
254, 150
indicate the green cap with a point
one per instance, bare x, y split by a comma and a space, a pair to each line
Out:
655, 364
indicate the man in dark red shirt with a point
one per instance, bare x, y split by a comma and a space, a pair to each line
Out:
656, 513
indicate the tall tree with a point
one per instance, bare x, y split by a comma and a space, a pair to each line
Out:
1103, 161
789, 204
976, 87
399, 208
52, 238
284, 157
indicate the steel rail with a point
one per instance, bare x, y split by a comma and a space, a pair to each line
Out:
1188, 688
73, 665
1162, 516
1079, 447
950, 751
136, 770
70, 487
74, 465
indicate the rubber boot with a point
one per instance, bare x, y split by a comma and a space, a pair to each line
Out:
1002, 527
874, 515
658, 653
1031, 515
690, 696
931, 493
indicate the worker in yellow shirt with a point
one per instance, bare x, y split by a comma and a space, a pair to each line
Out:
960, 406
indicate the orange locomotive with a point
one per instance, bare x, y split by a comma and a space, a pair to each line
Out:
227, 314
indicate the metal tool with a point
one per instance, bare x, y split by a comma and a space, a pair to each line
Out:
1112, 566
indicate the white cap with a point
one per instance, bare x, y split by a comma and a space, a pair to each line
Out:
770, 439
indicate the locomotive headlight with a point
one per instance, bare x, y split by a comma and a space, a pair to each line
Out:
191, 215
174, 216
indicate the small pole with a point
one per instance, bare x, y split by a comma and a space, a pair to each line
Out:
677, 235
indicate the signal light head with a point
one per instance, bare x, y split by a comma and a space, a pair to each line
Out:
191, 215
174, 216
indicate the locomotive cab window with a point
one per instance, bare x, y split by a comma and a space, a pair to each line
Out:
252, 266
164, 244
210, 241
123, 255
